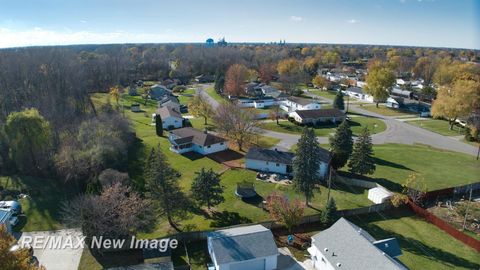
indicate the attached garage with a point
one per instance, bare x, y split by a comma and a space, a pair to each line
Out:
242, 248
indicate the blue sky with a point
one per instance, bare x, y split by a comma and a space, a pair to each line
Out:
439, 23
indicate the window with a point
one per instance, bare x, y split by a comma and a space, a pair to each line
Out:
277, 164
221, 143
209, 146
267, 162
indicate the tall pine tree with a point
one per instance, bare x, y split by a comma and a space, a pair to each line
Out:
162, 186
361, 161
158, 125
341, 144
206, 188
338, 102
306, 164
329, 214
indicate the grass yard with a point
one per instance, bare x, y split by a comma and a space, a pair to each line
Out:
424, 246
357, 123
211, 92
42, 206
197, 253
439, 168
235, 211
185, 97
438, 126
326, 94
383, 110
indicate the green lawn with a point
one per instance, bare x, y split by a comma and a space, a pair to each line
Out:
357, 123
326, 94
424, 246
197, 253
439, 168
383, 110
43, 206
184, 97
438, 126
211, 92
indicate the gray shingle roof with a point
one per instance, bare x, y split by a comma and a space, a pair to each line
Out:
320, 113
168, 111
242, 243
199, 137
302, 101
353, 248
270, 155
357, 90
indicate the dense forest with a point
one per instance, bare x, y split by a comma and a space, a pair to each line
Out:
49, 127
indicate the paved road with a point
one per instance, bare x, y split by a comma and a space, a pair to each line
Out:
56, 258
396, 131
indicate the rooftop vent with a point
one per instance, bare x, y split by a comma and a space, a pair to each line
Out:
339, 264
325, 249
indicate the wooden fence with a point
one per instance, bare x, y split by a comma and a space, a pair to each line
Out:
443, 225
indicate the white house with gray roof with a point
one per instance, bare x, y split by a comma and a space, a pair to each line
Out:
292, 104
276, 161
242, 248
348, 247
188, 139
171, 117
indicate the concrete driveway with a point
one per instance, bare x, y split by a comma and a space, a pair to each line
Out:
54, 258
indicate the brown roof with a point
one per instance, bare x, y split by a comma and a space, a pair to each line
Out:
321, 113
302, 101
168, 111
197, 136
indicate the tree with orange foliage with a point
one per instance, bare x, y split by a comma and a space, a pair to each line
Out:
290, 213
266, 72
235, 79
14, 260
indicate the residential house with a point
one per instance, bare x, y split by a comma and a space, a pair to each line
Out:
5, 217
171, 117
188, 139
394, 102
270, 91
258, 103
399, 92
358, 93
170, 101
242, 248
318, 116
158, 92
271, 161
275, 161
204, 78
346, 246
292, 104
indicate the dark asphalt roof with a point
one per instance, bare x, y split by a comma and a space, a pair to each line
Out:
353, 248
320, 113
302, 101
198, 137
270, 155
242, 243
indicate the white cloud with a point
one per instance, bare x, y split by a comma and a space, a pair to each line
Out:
296, 18
83, 21
352, 21
39, 36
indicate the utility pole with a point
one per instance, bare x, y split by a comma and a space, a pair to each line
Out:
468, 206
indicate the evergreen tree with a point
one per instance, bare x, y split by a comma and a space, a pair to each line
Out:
162, 186
341, 144
329, 213
158, 125
219, 82
306, 164
361, 161
338, 102
206, 188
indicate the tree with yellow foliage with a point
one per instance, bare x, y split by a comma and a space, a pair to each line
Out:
115, 93
459, 99
379, 80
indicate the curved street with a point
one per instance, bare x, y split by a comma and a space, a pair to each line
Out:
396, 131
